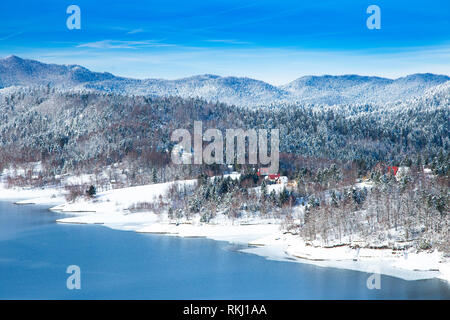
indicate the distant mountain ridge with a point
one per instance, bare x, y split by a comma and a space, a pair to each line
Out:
326, 89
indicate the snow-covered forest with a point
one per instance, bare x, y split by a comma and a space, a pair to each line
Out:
335, 158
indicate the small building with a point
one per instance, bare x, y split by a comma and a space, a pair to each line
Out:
185, 155
282, 180
392, 169
272, 177
383, 169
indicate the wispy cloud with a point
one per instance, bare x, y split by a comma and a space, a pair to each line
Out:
276, 66
11, 35
228, 41
119, 44
135, 31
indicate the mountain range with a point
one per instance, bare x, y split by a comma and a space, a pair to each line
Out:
241, 91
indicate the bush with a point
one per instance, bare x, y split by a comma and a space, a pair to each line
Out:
74, 192
142, 206
424, 245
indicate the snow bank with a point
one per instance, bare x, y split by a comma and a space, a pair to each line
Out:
409, 266
116, 220
238, 233
117, 200
48, 196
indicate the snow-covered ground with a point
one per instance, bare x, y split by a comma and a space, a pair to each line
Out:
263, 236
119, 200
45, 196
406, 265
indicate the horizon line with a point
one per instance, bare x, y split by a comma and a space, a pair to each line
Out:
229, 76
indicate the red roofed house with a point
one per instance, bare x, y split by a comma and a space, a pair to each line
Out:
270, 177
393, 169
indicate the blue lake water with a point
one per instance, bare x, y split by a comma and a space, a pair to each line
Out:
35, 253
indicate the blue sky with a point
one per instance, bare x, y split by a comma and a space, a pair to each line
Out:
275, 41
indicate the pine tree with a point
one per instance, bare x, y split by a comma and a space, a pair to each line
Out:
263, 190
154, 175
283, 197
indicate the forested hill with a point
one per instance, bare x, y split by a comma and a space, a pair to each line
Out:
75, 129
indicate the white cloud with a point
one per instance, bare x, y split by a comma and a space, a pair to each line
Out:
135, 31
11, 35
118, 44
228, 41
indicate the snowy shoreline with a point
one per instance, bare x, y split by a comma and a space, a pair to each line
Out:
263, 236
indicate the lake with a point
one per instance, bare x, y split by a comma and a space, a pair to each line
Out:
35, 253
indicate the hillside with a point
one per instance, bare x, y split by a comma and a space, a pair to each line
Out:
326, 89
71, 129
